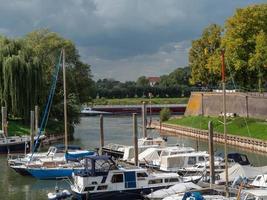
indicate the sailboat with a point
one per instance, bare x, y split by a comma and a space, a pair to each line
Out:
52, 167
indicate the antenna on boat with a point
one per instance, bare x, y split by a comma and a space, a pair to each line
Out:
224, 125
65, 100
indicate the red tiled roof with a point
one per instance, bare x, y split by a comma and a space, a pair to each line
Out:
153, 79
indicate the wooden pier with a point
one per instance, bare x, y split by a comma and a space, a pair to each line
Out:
51, 139
239, 141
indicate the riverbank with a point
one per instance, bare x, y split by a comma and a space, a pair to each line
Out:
137, 101
238, 126
18, 128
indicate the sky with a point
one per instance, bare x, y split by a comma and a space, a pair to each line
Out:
121, 39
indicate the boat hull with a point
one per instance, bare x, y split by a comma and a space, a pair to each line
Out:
21, 171
12, 148
51, 173
115, 195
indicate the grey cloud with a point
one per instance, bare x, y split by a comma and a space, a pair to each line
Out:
111, 33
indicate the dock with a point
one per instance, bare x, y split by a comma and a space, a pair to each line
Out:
129, 109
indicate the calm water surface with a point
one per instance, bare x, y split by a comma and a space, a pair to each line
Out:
117, 130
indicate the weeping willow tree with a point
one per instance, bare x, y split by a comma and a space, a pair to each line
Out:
26, 69
21, 78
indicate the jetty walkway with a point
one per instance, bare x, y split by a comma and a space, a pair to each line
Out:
129, 109
239, 141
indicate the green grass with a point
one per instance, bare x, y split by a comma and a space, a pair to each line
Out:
16, 127
135, 101
254, 128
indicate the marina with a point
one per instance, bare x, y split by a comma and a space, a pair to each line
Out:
86, 133
133, 100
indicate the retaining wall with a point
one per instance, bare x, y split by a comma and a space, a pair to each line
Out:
243, 142
243, 104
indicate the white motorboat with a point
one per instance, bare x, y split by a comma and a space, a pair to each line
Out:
88, 111
115, 182
152, 156
173, 163
253, 194
260, 181
126, 152
177, 188
10, 144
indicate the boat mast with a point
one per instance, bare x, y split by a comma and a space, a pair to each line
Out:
224, 125
65, 100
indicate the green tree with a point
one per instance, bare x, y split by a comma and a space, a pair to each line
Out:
21, 77
142, 81
165, 114
26, 69
239, 41
258, 60
202, 53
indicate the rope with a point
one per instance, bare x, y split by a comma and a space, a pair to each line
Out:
49, 102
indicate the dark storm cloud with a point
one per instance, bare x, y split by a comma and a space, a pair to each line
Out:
116, 36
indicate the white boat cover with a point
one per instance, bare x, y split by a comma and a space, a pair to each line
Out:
148, 155
206, 197
177, 188
243, 171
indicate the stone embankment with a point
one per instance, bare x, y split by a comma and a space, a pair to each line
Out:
252, 105
242, 142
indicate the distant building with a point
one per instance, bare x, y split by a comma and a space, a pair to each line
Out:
153, 81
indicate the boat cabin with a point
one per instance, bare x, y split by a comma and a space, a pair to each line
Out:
254, 194
260, 181
176, 162
241, 159
108, 177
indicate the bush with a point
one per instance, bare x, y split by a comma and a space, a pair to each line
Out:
165, 114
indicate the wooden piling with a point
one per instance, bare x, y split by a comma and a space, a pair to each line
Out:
32, 131
101, 135
36, 115
135, 141
247, 115
144, 119
211, 154
4, 121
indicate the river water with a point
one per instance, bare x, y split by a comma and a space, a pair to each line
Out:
117, 130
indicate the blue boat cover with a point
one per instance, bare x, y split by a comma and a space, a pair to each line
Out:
78, 155
194, 195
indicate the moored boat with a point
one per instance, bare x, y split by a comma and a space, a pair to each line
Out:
12, 144
115, 182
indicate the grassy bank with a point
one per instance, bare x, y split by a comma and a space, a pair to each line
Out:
17, 127
236, 126
134, 101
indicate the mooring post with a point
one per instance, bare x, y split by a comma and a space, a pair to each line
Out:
32, 131
202, 105
135, 141
101, 135
247, 107
36, 115
4, 121
144, 119
211, 154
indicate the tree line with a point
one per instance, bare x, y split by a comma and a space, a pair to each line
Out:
175, 84
244, 40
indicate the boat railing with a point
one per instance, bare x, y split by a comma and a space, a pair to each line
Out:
113, 146
14, 139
